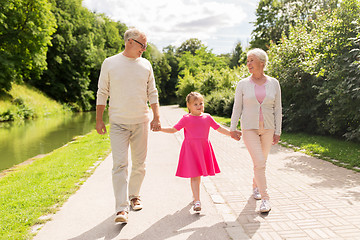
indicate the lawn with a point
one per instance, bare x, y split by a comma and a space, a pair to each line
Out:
41, 187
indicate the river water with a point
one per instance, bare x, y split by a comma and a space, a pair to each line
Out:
20, 141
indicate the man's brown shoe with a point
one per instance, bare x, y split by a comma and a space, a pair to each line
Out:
135, 204
121, 217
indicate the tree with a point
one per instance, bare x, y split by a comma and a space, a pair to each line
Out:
267, 27
173, 61
25, 33
79, 45
274, 17
318, 69
293, 63
108, 41
238, 56
161, 70
340, 66
67, 78
190, 45
199, 72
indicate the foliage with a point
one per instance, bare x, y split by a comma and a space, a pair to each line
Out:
275, 17
24, 102
170, 84
292, 63
340, 67
203, 72
25, 30
238, 56
314, 52
191, 45
267, 26
79, 45
186, 84
318, 69
193, 67
162, 71
220, 102
108, 41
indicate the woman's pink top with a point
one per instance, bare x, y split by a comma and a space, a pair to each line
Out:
260, 94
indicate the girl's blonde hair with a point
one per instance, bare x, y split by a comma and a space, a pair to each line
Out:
192, 97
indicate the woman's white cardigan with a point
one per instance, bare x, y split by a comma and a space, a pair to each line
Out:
248, 107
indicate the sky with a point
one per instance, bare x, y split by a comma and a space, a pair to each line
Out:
219, 24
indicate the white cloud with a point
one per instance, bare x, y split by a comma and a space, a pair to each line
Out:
172, 22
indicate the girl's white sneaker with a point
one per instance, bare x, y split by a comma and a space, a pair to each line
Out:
256, 194
265, 206
197, 206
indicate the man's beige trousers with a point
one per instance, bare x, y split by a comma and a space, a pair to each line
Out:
121, 136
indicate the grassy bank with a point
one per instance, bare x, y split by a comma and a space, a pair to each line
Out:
25, 102
39, 188
337, 151
340, 152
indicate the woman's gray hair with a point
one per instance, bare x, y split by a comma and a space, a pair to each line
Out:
260, 54
132, 33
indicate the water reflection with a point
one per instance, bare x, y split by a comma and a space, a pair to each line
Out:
24, 140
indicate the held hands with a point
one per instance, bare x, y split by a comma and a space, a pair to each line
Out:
155, 125
235, 135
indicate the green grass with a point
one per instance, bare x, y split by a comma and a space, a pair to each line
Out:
40, 188
26, 102
337, 151
340, 152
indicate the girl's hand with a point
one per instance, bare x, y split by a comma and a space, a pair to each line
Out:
276, 139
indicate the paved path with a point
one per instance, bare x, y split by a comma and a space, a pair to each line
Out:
311, 198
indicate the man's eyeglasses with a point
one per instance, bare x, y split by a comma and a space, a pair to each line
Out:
143, 46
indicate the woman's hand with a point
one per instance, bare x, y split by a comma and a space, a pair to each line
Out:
276, 139
235, 135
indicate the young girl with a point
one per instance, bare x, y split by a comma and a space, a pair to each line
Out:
197, 157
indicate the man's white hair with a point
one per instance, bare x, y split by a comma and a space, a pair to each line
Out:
133, 33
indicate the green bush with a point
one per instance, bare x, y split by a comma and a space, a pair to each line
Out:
25, 102
319, 70
220, 103
185, 85
293, 63
6, 116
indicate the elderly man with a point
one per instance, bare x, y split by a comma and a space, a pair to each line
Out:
128, 80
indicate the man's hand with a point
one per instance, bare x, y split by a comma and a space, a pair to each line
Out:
155, 125
235, 135
276, 139
100, 127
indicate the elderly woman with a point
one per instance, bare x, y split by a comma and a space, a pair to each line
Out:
258, 103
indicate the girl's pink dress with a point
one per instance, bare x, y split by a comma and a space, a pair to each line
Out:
197, 157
